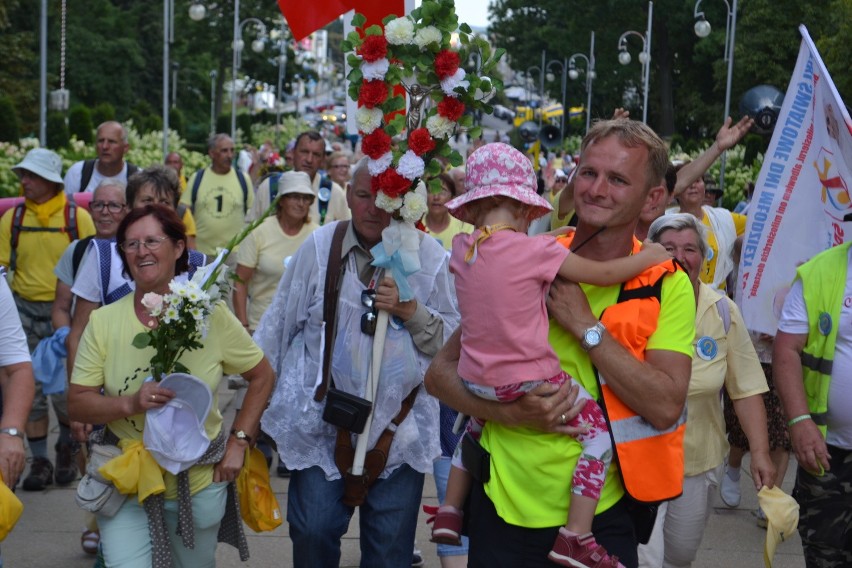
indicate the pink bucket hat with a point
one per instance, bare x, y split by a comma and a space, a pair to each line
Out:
499, 169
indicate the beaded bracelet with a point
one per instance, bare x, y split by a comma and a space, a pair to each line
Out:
798, 419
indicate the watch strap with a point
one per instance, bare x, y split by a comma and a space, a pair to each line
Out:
12, 432
241, 435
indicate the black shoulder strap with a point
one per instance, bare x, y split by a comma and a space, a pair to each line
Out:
273, 185
86, 176
77, 256
325, 182
329, 307
244, 185
17, 222
181, 210
131, 169
195, 185
71, 220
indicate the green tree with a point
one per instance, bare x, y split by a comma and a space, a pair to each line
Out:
80, 123
102, 112
57, 131
9, 131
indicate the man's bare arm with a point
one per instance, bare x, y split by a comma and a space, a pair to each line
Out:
655, 388
726, 138
542, 408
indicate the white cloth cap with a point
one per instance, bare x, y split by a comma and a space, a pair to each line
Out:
174, 433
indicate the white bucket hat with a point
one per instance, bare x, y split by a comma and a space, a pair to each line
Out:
43, 163
174, 433
295, 182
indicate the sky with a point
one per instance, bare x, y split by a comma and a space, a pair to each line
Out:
471, 12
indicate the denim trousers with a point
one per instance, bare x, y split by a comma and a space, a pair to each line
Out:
318, 519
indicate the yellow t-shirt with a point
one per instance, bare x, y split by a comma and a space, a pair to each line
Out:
455, 227
106, 358
264, 250
719, 360
531, 470
555, 221
39, 251
709, 268
189, 223
219, 209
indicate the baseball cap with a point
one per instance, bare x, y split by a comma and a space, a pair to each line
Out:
174, 433
782, 517
43, 163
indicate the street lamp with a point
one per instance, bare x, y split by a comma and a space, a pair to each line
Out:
213, 75
530, 70
644, 57
573, 74
256, 45
563, 66
702, 29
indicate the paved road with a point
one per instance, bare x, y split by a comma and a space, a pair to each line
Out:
48, 534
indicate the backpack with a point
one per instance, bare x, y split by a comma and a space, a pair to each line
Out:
322, 205
243, 184
89, 169
77, 256
70, 228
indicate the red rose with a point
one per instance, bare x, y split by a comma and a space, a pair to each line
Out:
419, 141
446, 64
451, 108
376, 144
375, 47
391, 183
373, 93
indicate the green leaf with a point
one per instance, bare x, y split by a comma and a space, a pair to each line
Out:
394, 104
466, 121
354, 38
181, 368
455, 158
474, 133
374, 30
142, 340
358, 20
346, 46
353, 60
435, 183
465, 29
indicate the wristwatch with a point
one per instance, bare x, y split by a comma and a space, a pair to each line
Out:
241, 435
592, 336
12, 432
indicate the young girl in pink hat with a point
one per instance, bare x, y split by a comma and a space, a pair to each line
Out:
502, 277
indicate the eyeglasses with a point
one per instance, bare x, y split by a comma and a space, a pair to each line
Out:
151, 243
368, 319
110, 206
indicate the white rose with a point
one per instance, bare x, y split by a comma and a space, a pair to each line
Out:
400, 31
440, 127
372, 70
153, 302
368, 119
450, 84
386, 203
414, 207
426, 36
411, 166
378, 166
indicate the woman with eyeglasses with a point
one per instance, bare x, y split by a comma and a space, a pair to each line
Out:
339, 168
109, 386
261, 258
438, 221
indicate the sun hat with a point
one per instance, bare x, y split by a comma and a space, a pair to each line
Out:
174, 433
782, 517
295, 182
43, 163
499, 169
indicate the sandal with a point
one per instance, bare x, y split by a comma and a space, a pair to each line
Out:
89, 540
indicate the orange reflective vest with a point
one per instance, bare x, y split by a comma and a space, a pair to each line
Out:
650, 460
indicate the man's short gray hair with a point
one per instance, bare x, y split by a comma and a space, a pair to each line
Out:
680, 222
213, 140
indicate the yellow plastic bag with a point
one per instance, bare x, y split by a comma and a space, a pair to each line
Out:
10, 509
258, 505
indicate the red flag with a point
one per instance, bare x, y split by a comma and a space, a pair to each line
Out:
304, 20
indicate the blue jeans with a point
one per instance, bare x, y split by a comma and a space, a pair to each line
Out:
441, 471
318, 519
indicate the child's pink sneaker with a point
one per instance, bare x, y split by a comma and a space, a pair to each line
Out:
581, 552
446, 524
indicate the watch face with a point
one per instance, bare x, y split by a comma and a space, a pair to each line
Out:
593, 337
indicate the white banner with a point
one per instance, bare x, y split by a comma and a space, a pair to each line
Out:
801, 204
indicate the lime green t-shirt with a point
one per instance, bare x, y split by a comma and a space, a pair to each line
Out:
531, 470
219, 209
106, 358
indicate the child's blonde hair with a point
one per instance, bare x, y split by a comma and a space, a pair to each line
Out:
479, 208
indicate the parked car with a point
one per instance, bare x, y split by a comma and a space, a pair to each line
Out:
504, 113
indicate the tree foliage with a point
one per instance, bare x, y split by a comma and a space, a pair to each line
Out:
688, 74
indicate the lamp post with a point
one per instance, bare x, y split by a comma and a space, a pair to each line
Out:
644, 57
256, 45
563, 66
702, 29
168, 39
590, 76
213, 75
527, 85
282, 69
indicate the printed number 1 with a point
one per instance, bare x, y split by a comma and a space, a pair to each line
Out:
218, 203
